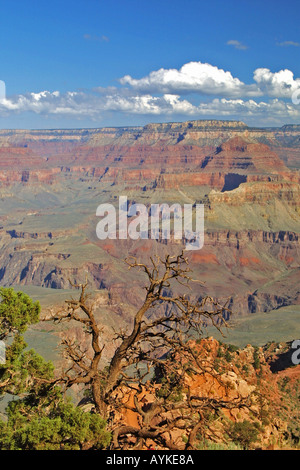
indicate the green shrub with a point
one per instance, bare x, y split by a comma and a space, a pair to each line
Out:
244, 433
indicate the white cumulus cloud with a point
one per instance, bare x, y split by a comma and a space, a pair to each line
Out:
280, 84
193, 77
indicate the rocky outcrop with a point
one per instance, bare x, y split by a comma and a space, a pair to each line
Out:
258, 192
228, 374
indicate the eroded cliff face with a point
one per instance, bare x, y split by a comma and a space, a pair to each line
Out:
51, 183
196, 153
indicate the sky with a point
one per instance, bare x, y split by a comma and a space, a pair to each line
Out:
96, 63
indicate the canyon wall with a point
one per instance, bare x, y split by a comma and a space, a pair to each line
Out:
51, 182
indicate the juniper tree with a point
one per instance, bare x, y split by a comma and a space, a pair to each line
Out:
169, 333
40, 417
22, 368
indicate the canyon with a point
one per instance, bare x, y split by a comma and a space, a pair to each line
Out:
51, 182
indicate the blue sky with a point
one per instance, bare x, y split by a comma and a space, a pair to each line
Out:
96, 63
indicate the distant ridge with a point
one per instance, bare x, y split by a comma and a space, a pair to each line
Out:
199, 124
291, 127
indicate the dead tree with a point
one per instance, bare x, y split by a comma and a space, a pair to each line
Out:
158, 343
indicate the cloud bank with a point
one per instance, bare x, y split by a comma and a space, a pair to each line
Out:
195, 90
